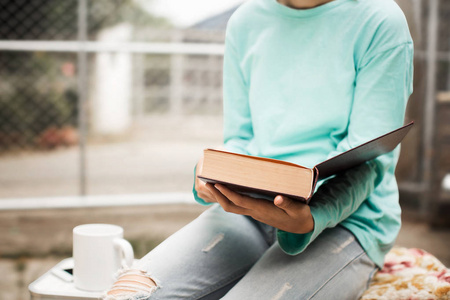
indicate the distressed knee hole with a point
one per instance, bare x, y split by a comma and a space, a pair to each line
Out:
132, 285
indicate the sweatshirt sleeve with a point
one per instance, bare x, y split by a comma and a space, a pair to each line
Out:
382, 87
383, 83
194, 192
238, 129
335, 200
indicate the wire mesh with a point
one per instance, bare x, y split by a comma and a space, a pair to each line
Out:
38, 90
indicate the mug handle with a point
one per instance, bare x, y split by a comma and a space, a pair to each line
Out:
126, 249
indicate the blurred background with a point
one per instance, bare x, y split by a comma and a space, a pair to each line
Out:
106, 106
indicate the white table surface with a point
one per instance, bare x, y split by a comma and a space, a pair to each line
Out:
50, 286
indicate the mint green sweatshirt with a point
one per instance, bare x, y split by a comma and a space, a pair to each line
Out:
305, 85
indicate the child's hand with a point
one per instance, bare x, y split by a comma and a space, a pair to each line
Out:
200, 186
284, 213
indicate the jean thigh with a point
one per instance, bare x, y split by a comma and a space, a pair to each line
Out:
206, 257
334, 266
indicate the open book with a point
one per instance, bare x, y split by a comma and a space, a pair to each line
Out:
265, 178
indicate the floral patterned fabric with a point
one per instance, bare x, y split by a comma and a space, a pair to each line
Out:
410, 274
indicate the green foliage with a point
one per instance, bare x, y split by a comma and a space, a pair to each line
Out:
40, 98
58, 20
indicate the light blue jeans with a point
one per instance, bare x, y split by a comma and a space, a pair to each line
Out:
226, 256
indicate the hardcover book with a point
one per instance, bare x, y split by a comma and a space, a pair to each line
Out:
266, 178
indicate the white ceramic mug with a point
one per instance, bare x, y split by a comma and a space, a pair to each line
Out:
99, 250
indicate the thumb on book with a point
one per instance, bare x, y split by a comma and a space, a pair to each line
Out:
282, 202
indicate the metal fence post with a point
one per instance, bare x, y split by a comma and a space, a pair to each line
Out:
82, 92
176, 78
430, 103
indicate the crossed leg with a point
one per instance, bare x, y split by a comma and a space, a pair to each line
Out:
221, 254
203, 260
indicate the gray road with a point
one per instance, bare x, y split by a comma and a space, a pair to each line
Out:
157, 156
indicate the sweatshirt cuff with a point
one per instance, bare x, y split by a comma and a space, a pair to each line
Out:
194, 192
293, 243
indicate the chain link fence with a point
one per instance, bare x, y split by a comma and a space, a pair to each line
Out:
39, 88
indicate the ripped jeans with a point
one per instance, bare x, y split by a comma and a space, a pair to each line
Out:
226, 256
